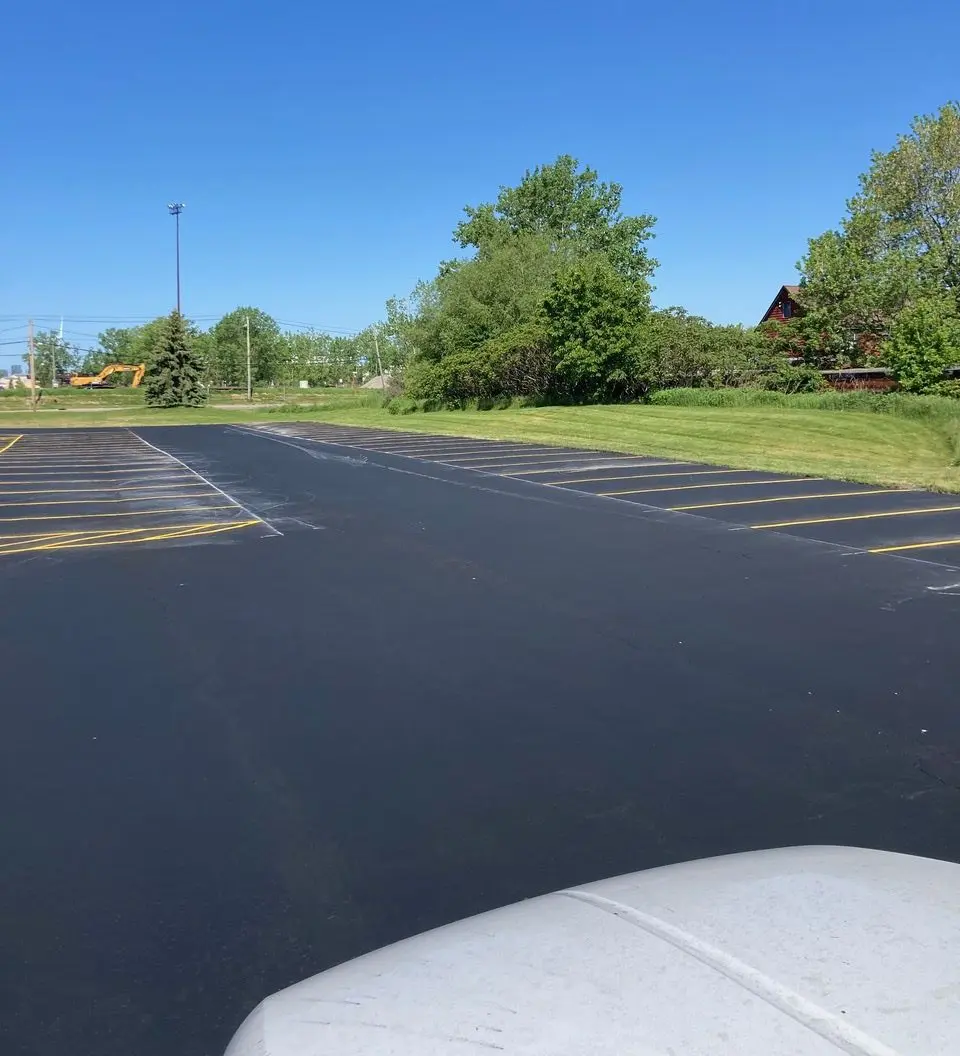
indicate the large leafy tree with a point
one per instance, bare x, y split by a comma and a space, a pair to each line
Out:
548, 305
51, 353
474, 301
899, 241
228, 352
595, 316
924, 341
174, 378
570, 207
128, 344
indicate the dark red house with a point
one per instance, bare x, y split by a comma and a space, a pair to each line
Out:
785, 305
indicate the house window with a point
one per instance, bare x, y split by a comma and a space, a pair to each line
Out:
787, 309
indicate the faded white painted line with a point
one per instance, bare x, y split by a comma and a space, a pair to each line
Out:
240, 505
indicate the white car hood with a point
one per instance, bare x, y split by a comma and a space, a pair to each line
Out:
809, 950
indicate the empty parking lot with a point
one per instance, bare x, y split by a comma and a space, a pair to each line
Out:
862, 517
78, 490
225, 767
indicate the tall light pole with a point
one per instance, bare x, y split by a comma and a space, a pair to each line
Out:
176, 208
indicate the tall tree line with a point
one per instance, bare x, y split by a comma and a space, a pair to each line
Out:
277, 357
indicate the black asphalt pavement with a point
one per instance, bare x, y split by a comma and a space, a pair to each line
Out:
412, 692
871, 518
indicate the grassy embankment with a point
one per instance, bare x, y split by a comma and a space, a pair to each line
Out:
900, 441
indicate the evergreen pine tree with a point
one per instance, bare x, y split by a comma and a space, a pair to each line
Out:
174, 377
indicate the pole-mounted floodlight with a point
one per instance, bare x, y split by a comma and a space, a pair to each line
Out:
175, 209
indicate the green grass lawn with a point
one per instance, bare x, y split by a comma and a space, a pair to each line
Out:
849, 445
873, 448
87, 408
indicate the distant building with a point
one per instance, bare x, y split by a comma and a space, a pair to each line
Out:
785, 306
15, 381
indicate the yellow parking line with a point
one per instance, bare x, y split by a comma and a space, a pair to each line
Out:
80, 460
20, 536
913, 546
31, 540
31, 445
172, 533
599, 457
470, 452
7, 444
15, 541
451, 442
858, 517
24, 466
94, 502
169, 470
645, 476
117, 487
784, 498
503, 464
32, 454
128, 513
490, 459
725, 484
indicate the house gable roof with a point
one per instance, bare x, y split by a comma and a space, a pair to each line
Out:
790, 292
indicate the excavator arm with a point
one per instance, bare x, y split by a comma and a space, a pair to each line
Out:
92, 381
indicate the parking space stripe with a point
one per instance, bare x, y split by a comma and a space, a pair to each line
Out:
858, 517
6, 444
112, 488
92, 502
451, 441
787, 498
214, 528
443, 441
508, 460
511, 463
14, 541
19, 537
648, 476
726, 484
452, 452
11, 465
89, 447
913, 546
638, 460
136, 474
127, 513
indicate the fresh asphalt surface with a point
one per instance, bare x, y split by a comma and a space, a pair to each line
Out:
410, 691
876, 519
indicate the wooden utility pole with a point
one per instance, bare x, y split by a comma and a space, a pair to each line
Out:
249, 380
376, 345
33, 367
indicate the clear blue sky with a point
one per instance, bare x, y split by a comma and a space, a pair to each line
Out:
325, 150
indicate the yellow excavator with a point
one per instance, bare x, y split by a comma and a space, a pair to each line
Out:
95, 381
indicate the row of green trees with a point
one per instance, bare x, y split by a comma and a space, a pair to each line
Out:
554, 302
554, 305
277, 357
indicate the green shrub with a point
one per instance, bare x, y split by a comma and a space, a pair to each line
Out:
789, 379
924, 341
401, 405
517, 364
949, 388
